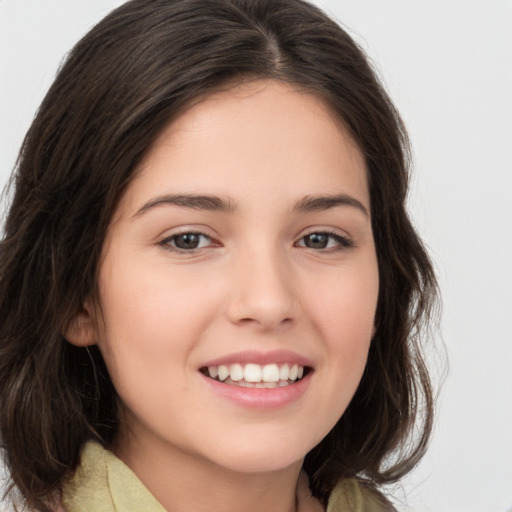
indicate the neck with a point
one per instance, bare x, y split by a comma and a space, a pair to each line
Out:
185, 482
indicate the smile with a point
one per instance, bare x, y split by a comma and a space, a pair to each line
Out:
254, 375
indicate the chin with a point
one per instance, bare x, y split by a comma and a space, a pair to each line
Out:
258, 464
259, 456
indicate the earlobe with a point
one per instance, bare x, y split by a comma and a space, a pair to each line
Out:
81, 331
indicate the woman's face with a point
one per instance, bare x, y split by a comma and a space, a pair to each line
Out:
240, 257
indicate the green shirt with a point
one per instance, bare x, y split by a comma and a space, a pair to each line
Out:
103, 483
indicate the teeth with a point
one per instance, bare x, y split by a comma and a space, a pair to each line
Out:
250, 375
284, 372
270, 373
223, 372
236, 372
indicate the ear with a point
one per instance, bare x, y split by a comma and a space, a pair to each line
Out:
82, 331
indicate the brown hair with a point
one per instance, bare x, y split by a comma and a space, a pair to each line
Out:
119, 87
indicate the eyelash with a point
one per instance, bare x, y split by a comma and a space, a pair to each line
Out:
167, 241
343, 243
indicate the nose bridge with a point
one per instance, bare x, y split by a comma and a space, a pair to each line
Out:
262, 291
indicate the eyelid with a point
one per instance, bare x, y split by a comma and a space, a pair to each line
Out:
181, 229
344, 241
165, 240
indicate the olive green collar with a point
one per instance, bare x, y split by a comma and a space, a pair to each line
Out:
103, 483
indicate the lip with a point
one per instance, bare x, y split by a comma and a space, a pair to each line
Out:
259, 398
261, 358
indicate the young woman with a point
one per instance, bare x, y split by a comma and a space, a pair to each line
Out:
211, 295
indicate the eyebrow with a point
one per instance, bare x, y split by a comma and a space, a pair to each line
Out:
194, 202
318, 203
218, 204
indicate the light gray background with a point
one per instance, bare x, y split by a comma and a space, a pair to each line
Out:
448, 66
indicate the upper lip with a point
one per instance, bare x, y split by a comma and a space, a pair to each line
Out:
261, 358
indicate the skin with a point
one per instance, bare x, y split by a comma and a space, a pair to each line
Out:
254, 283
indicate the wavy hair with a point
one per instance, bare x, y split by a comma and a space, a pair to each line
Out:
130, 76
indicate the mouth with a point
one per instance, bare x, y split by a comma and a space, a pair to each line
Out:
254, 375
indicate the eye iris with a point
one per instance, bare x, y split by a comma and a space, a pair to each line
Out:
317, 240
187, 241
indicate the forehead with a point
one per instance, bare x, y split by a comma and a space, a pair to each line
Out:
263, 136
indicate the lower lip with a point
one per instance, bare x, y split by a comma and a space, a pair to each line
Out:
260, 398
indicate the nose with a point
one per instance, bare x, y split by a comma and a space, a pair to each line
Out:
262, 291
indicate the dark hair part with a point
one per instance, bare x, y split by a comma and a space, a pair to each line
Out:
119, 87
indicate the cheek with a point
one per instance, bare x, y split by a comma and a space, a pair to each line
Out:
345, 307
146, 296
344, 315
153, 316
347, 329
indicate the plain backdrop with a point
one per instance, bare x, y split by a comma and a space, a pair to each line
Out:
448, 67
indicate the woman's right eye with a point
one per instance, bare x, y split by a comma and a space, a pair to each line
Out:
187, 242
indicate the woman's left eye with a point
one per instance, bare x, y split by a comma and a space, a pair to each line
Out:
189, 241
324, 240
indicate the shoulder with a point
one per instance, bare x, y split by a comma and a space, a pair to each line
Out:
89, 484
103, 483
351, 495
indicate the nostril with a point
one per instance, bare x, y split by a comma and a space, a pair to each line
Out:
264, 301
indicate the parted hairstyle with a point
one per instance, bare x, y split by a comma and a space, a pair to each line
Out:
126, 80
